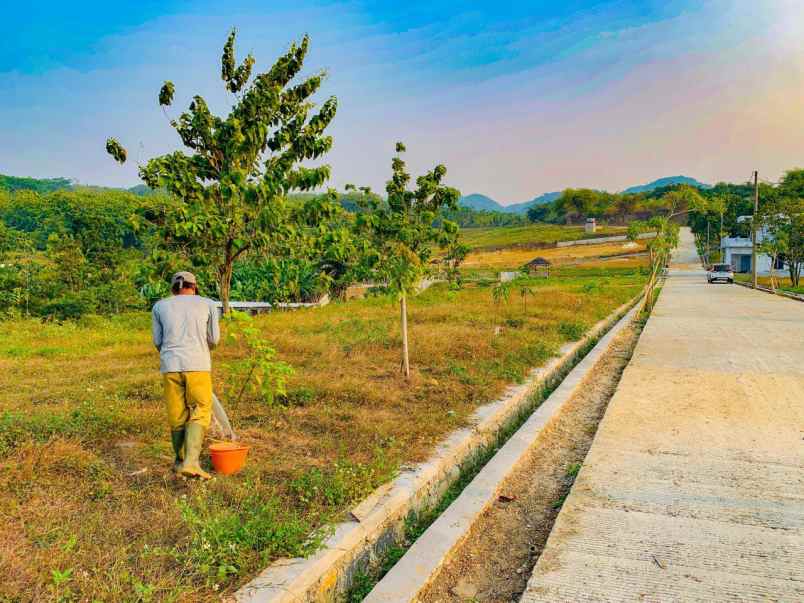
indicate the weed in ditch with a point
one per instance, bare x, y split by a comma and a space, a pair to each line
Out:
325, 490
572, 330
560, 502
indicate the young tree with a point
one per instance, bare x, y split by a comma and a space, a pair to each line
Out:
232, 185
674, 203
404, 230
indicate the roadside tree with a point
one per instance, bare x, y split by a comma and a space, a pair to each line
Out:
404, 230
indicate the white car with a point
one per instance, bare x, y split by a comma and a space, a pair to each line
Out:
720, 272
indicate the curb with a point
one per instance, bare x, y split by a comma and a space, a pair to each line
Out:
422, 562
778, 292
377, 523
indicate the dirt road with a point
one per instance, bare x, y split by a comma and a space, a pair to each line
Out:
693, 489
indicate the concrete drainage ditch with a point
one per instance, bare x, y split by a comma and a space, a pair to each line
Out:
377, 524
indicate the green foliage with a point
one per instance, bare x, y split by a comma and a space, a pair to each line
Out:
67, 253
404, 230
466, 217
38, 185
70, 253
782, 218
575, 205
165, 97
116, 150
572, 330
260, 372
328, 490
231, 189
229, 529
501, 292
280, 279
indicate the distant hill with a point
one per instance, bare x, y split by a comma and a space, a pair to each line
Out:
522, 208
480, 202
483, 203
46, 185
669, 181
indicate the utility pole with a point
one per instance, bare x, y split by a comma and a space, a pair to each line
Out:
708, 248
754, 231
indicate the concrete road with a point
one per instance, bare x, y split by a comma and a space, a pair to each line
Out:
693, 489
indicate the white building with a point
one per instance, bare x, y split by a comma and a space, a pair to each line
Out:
737, 252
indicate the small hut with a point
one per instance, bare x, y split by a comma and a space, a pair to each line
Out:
538, 267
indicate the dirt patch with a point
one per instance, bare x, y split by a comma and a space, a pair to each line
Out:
496, 560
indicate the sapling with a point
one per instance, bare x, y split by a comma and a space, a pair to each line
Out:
260, 372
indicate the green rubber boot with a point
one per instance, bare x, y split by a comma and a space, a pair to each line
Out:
177, 439
193, 441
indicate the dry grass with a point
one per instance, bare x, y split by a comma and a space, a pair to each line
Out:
90, 509
516, 258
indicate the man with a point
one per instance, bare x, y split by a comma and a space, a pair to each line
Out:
185, 328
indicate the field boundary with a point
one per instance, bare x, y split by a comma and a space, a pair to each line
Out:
593, 240
377, 523
602, 240
422, 562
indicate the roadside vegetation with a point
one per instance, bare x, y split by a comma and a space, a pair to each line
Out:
325, 400
781, 283
91, 509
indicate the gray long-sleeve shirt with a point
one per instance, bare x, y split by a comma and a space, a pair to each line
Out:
185, 328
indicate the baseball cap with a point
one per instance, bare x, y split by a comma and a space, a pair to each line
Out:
184, 278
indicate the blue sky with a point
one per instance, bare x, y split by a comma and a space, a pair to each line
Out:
516, 98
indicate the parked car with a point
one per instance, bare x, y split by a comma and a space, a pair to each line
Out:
720, 272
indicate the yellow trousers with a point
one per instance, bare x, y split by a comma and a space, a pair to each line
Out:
188, 397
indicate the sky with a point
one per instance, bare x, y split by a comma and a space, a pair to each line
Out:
516, 98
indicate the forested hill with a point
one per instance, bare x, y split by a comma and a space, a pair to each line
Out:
664, 182
47, 185
480, 202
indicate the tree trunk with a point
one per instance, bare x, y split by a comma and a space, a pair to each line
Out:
226, 283
795, 272
403, 306
772, 273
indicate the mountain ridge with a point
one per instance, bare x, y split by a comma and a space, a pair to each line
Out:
482, 202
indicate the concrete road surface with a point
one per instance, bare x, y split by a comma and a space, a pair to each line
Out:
693, 489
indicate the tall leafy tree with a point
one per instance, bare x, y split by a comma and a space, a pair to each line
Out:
404, 231
785, 217
232, 183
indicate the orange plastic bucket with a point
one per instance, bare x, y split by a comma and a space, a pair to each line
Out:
228, 457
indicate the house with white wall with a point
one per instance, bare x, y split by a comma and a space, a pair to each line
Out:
736, 251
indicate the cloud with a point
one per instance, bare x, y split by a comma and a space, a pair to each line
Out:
514, 103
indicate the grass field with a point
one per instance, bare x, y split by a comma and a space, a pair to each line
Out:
782, 282
506, 236
514, 258
91, 510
